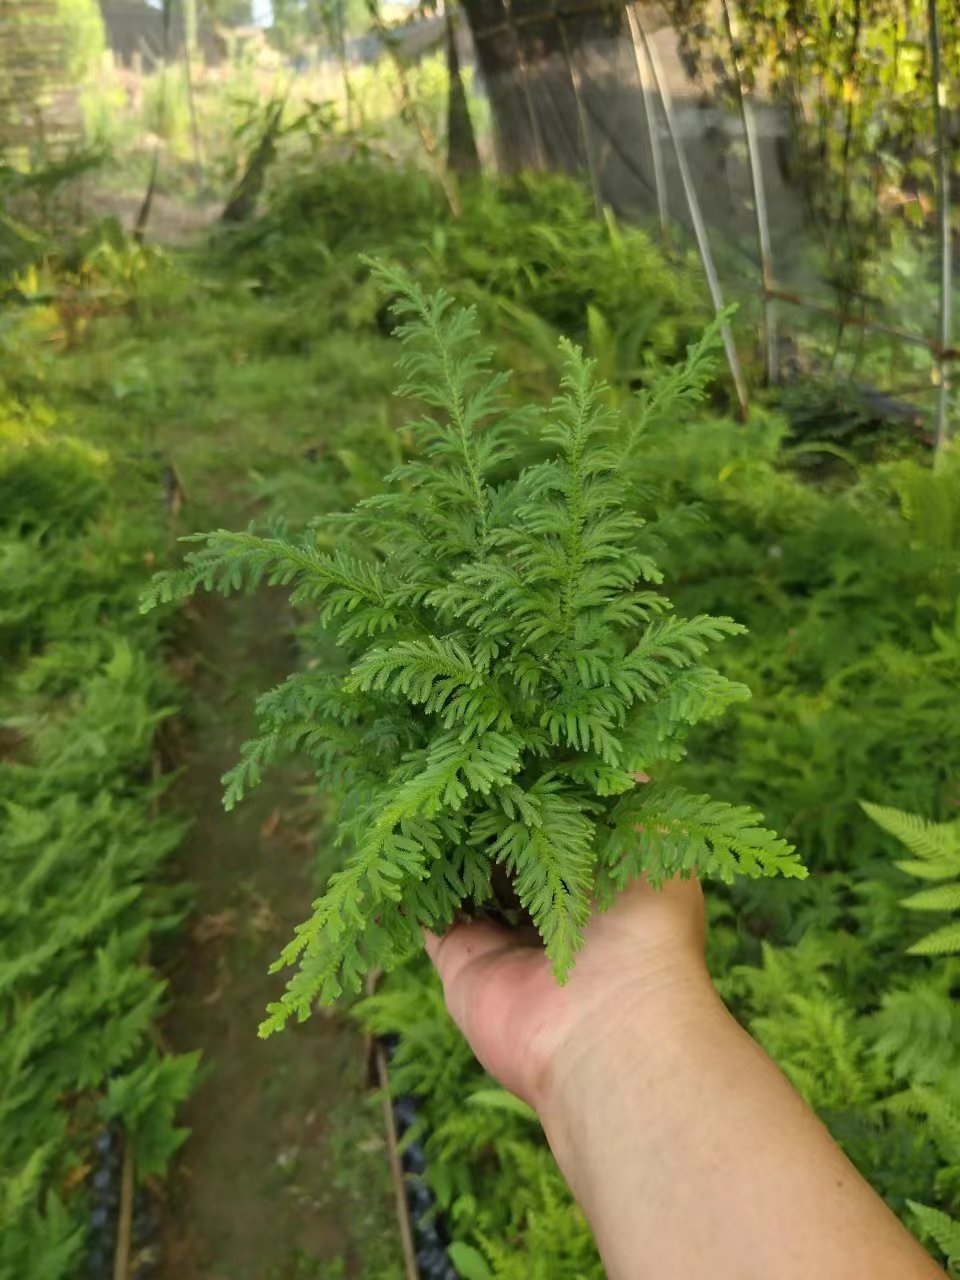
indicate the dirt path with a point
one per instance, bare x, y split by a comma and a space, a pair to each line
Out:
284, 1175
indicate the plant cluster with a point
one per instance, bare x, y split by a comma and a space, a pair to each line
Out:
509, 669
81, 842
847, 979
849, 592
847, 581
528, 252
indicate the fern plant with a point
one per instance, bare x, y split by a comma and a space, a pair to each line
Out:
509, 667
932, 1093
935, 850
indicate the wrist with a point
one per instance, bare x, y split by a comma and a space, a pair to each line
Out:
625, 1048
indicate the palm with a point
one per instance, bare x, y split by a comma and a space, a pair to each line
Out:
501, 991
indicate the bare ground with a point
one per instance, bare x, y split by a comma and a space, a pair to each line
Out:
284, 1175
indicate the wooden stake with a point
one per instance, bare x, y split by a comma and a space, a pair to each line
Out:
121, 1257
653, 127
696, 218
396, 1168
943, 218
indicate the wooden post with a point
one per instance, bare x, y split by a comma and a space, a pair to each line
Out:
121, 1257
754, 164
943, 218
190, 25
653, 126
696, 218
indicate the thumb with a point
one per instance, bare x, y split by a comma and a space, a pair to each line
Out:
463, 944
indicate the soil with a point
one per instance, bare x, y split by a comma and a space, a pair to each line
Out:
284, 1174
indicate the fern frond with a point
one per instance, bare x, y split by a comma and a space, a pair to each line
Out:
942, 869
230, 562
445, 366
943, 1230
669, 644
551, 857
931, 841
936, 850
944, 898
427, 670
507, 665
942, 942
684, 386
663, 833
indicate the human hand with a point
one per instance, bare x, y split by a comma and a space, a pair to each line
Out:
687, 1149
638, 959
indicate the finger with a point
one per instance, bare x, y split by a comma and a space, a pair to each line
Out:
462, 945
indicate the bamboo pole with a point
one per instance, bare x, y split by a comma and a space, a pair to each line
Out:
577, 87
754, 164
696, 218
943, 218
653, 128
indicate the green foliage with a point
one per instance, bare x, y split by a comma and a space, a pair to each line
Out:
935, 847
834, 424
528, 252
850, 597
849, 591
509, 670
81, 842
82, 23
145, 1100
943, 1230
537, 257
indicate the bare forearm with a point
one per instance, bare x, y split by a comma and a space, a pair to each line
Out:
692, 1155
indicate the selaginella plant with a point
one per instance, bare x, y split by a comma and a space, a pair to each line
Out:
511, 672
